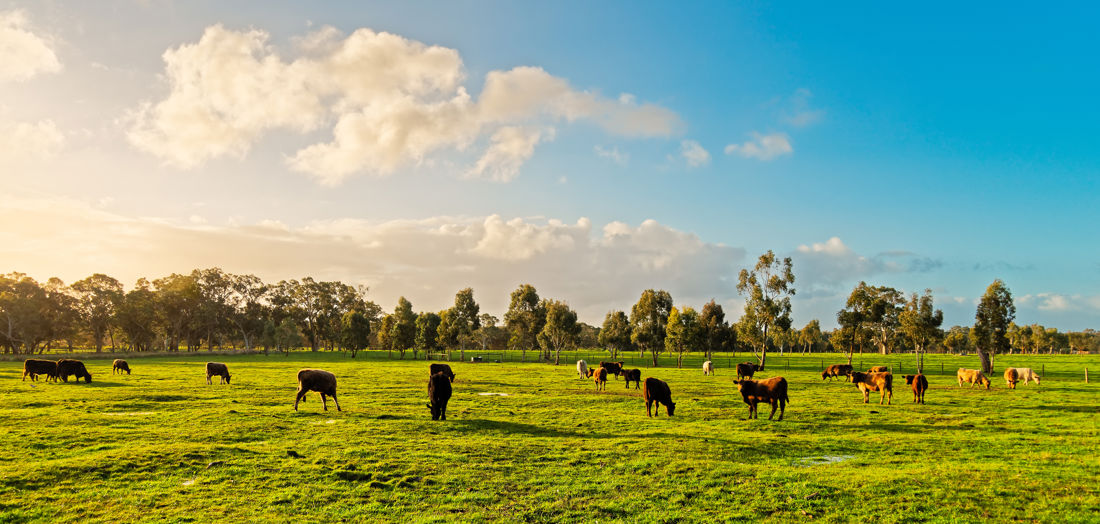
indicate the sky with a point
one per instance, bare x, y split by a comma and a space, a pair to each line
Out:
591, 149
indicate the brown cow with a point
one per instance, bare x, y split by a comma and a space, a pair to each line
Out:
33, 367
919, 384
119, 365
634, 375
1011, 377
747, 369
868, 382
878, 369
612, 368
217, 369
319, 380
439, 393
599, 376
836, 370
656, 391
67, 367
772, 390
973, 376
441, 368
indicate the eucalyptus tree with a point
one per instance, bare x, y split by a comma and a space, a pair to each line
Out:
463, 320
98, 297
354, 331
615, 333
22, 324
385, 334
136, 316
427, 332
957, 339
810, 335
560, 330
403, 331
648, 322
768, 289
683, 333
995, 312
716, 332
524, 319
921, 323
488, 327
62, 312
246, 308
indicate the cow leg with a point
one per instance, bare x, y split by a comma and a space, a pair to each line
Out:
298, 398
772, 402
782, 408
323, 403
336, 401
443, 410
647, 412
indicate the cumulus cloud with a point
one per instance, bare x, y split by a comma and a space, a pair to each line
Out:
391, 102
829, 267
25, 54
694, 154
1058, 302
25, 142
510, 148
596, 268
762, 147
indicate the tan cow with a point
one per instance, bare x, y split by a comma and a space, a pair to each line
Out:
973, 376
868, 382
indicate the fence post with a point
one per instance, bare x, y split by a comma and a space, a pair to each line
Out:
941, 368
1086, 375
1044, 372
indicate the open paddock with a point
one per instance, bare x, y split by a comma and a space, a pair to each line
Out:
534, 442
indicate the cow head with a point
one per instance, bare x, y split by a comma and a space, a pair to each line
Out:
909, 378
671, 408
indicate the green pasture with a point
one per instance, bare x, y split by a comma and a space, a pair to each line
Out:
533, 442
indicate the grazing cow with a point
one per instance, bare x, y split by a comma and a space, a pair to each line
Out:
868, 382
612, 368
836, 370
708, 368
319, 380
772, 390
66, 367
217, 369
656, 391
919, 384
599, 376
439, 393
1011, 377
33, 367
1021, 374
973, 376
878, 369
119, 365
631, 375
441, 368
582, 369
747, 369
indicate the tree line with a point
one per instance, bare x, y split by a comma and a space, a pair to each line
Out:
215, 309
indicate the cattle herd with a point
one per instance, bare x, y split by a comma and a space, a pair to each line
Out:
655, 392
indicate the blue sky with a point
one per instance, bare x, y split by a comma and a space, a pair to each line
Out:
935, 146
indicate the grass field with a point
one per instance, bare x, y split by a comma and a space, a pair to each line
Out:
533, 442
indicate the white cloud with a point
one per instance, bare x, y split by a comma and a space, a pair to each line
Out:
762, 147
1057, 302
25, 54
799, 112
694, 154
510, 148
393, 103
831, 266
22, 142
595, 268
613, 155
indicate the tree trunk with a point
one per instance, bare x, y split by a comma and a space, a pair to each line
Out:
654, 353
987, 364
764, 349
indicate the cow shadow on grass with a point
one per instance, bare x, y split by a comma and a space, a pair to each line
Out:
1069, 408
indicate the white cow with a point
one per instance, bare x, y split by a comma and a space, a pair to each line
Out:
708, 369
582, 368
1013, 375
